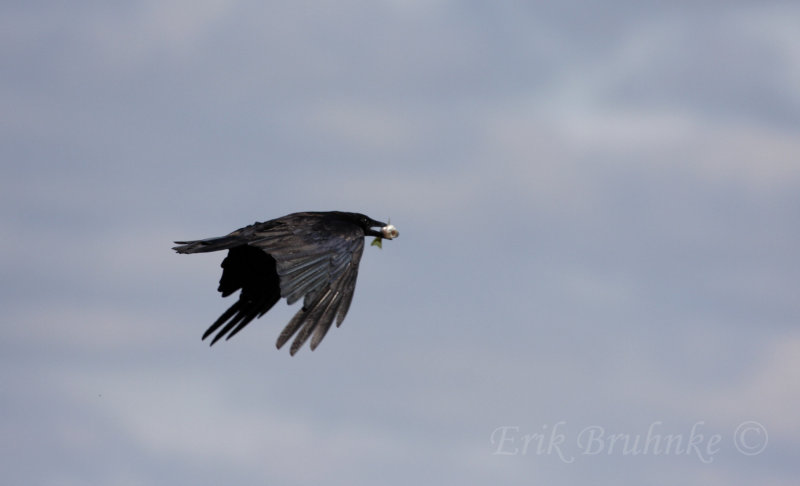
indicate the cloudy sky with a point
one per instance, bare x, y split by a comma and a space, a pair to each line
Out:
596, 279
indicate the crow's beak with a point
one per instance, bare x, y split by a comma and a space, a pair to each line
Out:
375, 229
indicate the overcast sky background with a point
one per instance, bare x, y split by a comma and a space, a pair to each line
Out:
598, 205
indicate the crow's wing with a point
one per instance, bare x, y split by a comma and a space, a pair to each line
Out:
317, 261
253, 271
245, 268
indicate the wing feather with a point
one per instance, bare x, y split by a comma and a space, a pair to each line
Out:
319, 263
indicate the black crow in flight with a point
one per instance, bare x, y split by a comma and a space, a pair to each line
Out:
313, 255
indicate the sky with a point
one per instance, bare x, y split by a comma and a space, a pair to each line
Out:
595, 281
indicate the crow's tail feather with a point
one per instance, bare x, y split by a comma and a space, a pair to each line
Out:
209, 244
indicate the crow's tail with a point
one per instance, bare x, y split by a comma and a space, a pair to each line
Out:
209, 244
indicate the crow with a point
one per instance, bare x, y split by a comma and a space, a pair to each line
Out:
313, 255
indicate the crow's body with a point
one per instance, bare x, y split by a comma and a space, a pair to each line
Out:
313, 255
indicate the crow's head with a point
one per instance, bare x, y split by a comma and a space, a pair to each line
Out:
372, 227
